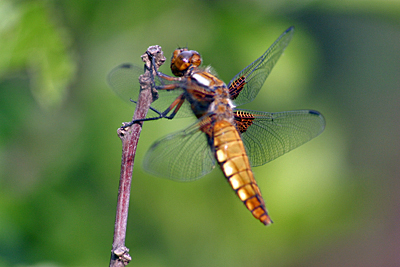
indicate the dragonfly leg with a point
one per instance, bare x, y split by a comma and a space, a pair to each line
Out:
167, 77
168, 86
153, 109
175, 106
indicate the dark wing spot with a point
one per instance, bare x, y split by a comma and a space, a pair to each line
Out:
236, 87
243, 120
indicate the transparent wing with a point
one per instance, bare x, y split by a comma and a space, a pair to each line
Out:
267, 136
124, 80
181, 156
245, 86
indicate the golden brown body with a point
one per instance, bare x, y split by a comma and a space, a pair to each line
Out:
231, 156
209, 98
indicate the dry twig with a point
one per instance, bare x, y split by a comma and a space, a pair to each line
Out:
130, 136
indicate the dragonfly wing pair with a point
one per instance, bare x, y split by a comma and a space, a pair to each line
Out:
186, 155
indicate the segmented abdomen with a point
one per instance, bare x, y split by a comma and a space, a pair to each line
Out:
231, 156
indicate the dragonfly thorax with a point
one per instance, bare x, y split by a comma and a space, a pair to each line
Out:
207, 94
222, 109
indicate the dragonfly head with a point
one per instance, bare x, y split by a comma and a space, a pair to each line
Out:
182, 59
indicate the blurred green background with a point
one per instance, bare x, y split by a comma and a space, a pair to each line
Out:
334, 201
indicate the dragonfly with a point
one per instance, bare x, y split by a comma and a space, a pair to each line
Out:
235, 139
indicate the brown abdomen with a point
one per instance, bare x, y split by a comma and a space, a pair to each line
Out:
231, 156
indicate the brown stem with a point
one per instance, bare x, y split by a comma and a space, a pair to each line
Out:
130, 137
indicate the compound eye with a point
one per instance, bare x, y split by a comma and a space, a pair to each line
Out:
185, 56
195, 58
